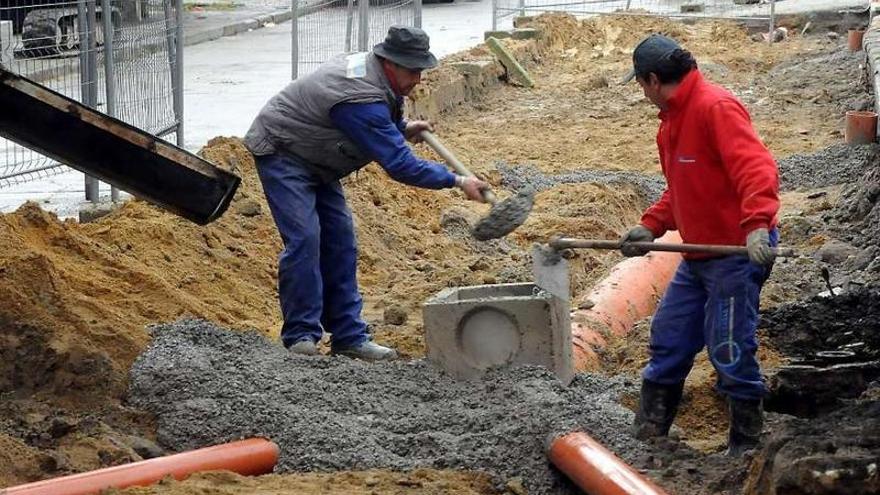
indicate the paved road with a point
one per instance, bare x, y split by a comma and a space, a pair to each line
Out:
229, 80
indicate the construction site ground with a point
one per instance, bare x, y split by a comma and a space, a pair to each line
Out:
141, 334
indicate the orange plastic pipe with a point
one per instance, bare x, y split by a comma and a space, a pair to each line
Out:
246, 457
628, 294
861, 127
595, 469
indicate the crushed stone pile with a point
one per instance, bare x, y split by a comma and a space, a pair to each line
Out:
857, 212
207, 385
836, 164
520, 177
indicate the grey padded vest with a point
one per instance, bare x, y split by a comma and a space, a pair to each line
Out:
296, 121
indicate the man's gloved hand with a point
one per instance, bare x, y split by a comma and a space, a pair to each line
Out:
639, 233
414, 127
758, 243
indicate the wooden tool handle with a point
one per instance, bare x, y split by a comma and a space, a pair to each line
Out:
571, 243
456, 165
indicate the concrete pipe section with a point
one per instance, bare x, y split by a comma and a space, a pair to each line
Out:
249, 457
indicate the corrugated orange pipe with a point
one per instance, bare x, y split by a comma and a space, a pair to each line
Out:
628, 294
595, 469
246, 457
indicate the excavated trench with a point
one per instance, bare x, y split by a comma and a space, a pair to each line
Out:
586, 145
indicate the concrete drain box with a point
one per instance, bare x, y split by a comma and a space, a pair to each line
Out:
469, 330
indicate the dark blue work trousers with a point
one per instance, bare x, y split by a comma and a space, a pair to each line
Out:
317, 271
714, 304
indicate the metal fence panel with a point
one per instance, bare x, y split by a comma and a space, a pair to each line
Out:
724, 9
328, 28
63, 45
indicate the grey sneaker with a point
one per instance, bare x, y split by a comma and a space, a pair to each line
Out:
304, 347
368, 351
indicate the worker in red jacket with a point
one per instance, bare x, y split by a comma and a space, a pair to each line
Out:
722, 188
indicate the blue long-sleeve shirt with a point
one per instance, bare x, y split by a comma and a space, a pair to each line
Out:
370, 127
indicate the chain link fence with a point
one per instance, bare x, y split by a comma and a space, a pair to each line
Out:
324, 29
118, 56
721, 9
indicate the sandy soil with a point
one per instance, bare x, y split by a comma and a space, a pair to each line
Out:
422, 482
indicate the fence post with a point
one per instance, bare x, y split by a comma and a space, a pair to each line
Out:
349, 19
417, 5
294, 40
363, 25
178, 70
109, 74
88, 72
772, 21
494, 15
522, 8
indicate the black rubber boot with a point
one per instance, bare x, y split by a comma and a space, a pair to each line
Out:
657, 408
746, 423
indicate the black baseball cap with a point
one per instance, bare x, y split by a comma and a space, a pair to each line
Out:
408, 47
650, 54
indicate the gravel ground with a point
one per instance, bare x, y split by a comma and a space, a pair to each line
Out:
207, 385
517, 177
837, 164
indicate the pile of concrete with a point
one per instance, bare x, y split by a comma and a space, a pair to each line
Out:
209, 385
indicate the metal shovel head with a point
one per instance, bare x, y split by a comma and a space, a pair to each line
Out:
505, 216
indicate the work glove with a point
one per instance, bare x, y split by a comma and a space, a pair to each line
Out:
758, 244
639, 233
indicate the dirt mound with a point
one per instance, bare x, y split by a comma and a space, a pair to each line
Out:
76, 297
424, 481
850, 321
834, 454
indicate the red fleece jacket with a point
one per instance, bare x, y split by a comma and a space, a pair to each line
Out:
721, 181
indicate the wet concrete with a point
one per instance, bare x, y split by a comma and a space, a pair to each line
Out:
207, 385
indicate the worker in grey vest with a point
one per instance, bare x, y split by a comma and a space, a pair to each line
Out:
320, 128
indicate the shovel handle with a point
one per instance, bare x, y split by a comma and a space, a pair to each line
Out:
456, 165
571, 243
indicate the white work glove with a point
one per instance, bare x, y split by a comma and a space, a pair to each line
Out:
758, 244
639, 233
472, 187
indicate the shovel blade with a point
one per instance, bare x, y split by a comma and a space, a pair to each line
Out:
551, 271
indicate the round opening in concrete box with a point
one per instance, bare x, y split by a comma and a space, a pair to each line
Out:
488, 338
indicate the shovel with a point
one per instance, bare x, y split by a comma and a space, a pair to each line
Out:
559, 243
505, 216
